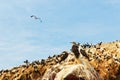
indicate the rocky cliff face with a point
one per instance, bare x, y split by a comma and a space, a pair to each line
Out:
83, 62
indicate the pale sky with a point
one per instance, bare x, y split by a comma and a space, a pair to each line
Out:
64, 21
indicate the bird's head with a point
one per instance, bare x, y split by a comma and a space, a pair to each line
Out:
74, 43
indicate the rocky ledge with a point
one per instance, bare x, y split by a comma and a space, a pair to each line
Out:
83, 62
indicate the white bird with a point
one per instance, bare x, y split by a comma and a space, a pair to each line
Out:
35, 17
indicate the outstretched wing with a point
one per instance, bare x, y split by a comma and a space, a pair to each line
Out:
35, 17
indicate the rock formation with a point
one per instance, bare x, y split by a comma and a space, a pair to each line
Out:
95, 62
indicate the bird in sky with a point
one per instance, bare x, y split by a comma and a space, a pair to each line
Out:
35, 17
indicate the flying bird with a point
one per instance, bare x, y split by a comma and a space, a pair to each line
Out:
35, 17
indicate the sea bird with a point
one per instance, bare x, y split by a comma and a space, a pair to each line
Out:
75, 49
35, 17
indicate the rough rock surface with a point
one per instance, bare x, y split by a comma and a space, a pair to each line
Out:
95, 62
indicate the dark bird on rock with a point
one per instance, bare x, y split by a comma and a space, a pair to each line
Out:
26, 61
35, 17
64, 56
84, 53
43, 62
75, 49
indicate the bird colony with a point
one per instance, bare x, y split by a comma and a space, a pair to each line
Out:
82, 62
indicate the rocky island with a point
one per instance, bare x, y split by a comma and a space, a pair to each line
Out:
83, 62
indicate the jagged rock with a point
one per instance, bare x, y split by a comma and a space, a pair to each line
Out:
99, 62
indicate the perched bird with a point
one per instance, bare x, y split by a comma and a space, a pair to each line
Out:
75, 49
26, 61
43, 62
84, 53
35, 17
64, 56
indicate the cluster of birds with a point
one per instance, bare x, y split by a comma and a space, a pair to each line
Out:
99, 56
78, 50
